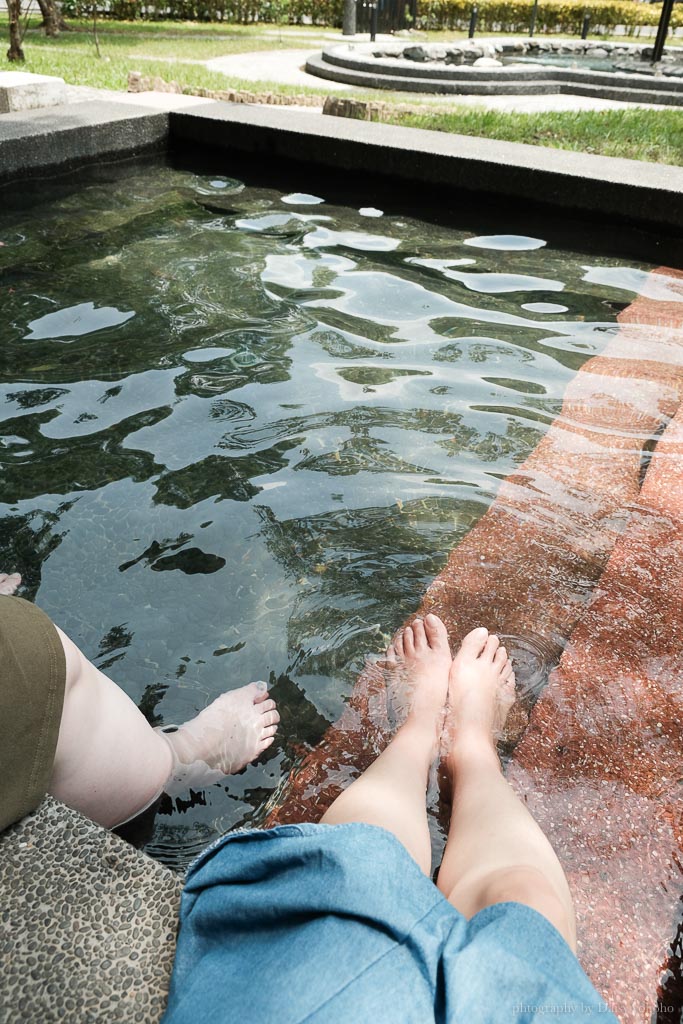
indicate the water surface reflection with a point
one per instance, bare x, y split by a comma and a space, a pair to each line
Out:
241, 431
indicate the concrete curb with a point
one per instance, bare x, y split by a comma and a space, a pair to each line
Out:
603, 189
68, 136
625, 190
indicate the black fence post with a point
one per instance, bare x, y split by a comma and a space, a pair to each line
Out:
665, 18
473, 21
373, 20
532, 23
586, 25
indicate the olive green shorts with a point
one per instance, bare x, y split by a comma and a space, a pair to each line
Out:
32, 681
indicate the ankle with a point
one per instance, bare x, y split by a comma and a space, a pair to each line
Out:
420, 738
473, 746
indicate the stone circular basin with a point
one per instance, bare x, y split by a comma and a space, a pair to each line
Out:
620, 71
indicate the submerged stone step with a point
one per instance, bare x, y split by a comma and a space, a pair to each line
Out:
20, 90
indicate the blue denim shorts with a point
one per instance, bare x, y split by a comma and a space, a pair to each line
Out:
336, 924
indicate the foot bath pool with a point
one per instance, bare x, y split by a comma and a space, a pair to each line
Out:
244, 429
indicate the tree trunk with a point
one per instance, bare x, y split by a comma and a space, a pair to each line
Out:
53, 22
349, 23
15, 51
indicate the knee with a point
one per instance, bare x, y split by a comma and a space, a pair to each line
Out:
530, 886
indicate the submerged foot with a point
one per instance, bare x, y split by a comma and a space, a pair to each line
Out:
481, 691
9, 582
417, 666
225, 737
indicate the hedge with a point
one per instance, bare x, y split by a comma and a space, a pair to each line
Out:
433, 15
553, 15
326, 13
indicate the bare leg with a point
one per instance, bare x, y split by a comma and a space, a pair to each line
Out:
495, 851
391, 793
110, 764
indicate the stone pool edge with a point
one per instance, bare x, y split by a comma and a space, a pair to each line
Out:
49, 140
44, 142
625, 190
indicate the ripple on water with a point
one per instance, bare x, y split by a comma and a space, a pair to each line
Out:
506, 243
533, 659
544, 307
661, 287
74, 321
361, 241
492, 284
302, 199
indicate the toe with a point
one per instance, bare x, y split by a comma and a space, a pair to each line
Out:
270, 718
500, 658
267, 706
419, 635
408, 642
390, 656
508, 692
398, 643
258, 690
492, 645
474, 642
265, 744
436, 632
269, 732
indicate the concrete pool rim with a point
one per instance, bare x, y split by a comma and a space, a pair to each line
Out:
631, 195
376, 66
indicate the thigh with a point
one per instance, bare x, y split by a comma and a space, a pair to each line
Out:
32, 681
325, 924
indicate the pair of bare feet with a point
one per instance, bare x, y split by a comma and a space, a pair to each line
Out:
462, 700
449, 701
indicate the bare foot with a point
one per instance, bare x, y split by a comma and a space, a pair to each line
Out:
9, 582
223, 738
481, 690
417, 666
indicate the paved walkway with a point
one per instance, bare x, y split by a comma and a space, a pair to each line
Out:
285, 67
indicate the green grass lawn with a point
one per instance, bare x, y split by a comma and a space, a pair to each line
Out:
176, 50
167, 49
654, 135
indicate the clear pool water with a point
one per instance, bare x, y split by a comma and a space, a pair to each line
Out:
242, 429
586, 62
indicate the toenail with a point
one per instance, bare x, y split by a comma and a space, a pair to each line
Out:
260, 685
431, 619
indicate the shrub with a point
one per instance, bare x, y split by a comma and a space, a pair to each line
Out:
553, 15
434, 15
241, 12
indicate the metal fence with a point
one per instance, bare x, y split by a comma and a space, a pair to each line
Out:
392, 15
